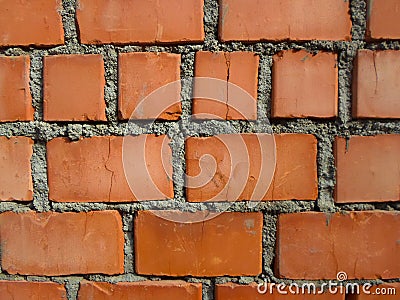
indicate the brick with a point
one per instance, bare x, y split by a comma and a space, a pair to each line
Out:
275, 20
15, 168
226, 101
230, 291
142, 290
127, 21
386, 291
62, 243
140, 74
317, 245
383, 19
10, 290
245, 167
94, 170
367, 169
229, 244
304, 85
74, 88
15, 95
34, 22
376, 84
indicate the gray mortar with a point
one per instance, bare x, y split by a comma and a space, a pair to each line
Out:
111, 88
207, 289
269, 230
72, 287
325, 131
67, 13
358, 12
39, 176
211, 25
264, 88
129, 261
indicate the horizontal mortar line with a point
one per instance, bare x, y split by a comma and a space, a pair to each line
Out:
187, 122
227, 279
316, 129
126, 126
278, 206
134, 277
126, 277
182, 48
187, 206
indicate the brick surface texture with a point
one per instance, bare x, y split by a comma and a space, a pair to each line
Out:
199, 149
11, 290
15, 96
142, 290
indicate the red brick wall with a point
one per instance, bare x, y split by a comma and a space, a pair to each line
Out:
192, 149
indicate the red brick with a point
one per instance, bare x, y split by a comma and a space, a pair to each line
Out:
245, 166
317, 245
243, 20
386, 291
229, 102
12, 290
137, 21
383, 19
34, 22
93, 169
230, 291
15, 95
143, 290
15, 168
74, 88
376, 84
140, 74
62, 243
229, 244
367, 169
304, 85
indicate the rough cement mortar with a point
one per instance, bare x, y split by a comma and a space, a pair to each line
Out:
324, 130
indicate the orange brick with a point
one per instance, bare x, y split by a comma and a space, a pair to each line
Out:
367, 169
34, 22
243, 20
15, 95
317, 245
229, 244
376, 84
140, 74
12, 290
93, 169
229, 102
386, 291
383, 19
137, 21
74, 88
245, 166
142, 290
304, 85
230, 291
15, 168
62, 243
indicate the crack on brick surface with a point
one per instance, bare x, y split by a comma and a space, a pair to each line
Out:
108, 169
227, 57
376, 72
